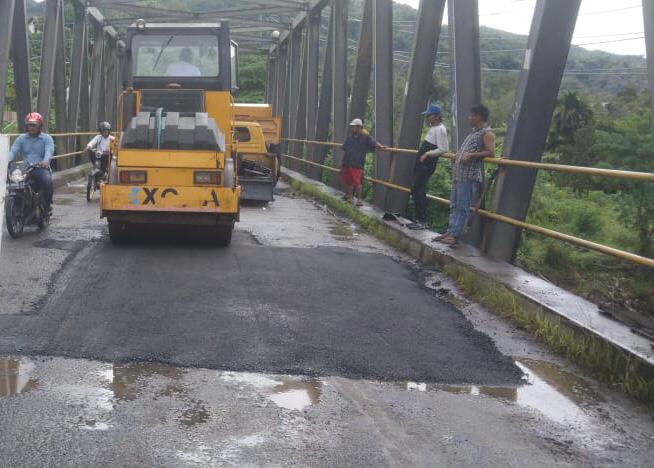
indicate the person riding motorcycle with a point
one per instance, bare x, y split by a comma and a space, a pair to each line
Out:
102, 143
36, 148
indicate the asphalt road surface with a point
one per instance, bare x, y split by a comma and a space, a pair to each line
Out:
306, 342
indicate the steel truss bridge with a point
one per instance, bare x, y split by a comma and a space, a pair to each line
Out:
312, 84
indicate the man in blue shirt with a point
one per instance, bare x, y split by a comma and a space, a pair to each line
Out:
37, 149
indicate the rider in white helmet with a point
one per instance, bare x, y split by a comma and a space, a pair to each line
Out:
102, 142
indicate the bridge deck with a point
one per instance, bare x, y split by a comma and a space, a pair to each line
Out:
305, 342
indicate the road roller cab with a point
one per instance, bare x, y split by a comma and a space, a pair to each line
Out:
174, 164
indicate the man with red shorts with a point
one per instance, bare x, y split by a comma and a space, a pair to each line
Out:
356, 146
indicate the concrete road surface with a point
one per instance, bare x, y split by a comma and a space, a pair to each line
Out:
306, 342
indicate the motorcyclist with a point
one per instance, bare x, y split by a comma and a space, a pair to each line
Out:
102, 143
36, 148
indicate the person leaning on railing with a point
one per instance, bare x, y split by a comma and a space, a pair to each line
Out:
434, 145
467, 171
357, 144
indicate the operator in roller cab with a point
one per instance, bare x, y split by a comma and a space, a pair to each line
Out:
174, 164
36, 148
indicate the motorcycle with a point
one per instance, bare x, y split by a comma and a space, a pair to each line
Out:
97, 175
24, 204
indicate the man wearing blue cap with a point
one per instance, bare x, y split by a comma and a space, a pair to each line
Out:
434, 144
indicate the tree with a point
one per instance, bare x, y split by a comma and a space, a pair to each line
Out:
572, 113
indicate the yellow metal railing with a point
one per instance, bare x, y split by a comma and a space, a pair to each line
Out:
604, 249
590, 171
57, 134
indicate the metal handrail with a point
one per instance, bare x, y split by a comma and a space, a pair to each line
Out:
604, 249
56, 134
590, 171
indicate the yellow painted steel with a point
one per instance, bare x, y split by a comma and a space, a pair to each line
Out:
256, 143
218, 105
170, 158
589, 171
262, 114
169, 199
57, 134
604, 249
170, 176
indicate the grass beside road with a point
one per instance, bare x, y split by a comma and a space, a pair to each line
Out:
603, 360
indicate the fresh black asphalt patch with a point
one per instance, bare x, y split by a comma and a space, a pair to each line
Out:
323, 311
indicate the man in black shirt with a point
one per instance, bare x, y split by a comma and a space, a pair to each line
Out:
356, 146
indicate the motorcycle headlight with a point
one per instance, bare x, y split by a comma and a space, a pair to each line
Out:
16, 176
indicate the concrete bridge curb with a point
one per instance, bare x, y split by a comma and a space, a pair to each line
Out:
62, 178
533, 294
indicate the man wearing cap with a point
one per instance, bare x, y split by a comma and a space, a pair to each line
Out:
37, 149
434, 144
356, 145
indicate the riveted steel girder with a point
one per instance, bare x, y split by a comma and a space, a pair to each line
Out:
648, 19
6, 25
545, 58
339, 80
416, 96
48, 58
363, 67
382, 12
20, 56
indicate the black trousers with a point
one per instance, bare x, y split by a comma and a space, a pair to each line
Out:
421, 175
43, 179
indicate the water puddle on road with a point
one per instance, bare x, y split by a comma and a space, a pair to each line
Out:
559, 395
15, 376
286, 392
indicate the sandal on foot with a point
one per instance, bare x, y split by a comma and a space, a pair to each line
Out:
449, 240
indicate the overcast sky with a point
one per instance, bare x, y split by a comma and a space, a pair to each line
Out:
620, 22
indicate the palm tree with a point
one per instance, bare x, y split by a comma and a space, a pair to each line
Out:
571, 114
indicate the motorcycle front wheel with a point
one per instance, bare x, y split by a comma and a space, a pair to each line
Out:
90, 188
14, 217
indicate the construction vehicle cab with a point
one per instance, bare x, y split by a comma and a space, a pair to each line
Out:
173, 164
256, 143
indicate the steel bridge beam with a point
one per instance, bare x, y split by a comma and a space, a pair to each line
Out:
285, 92
382, 13
85, 95
295, 54
416, 97
20, 56
270, 81
545, 58
339, 81
363, 68
465, 79
323, 115
78, 60
60, 87
282, 55
312, 59
96, 111
48, 58
111, 81
6, 23
463, 28
300, 127
648, 19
